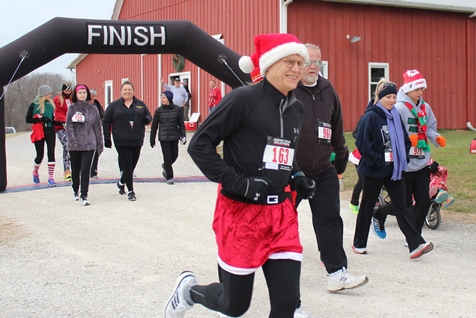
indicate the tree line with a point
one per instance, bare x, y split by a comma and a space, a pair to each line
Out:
19, 95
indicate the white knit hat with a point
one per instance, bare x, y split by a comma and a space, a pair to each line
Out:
412, 80
270, 48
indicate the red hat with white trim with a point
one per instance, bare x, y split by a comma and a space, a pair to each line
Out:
270, 48
256, 72
412, 80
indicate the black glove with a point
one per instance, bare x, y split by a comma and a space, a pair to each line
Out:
46, 119
305, 187
107, 143
433, 167
152, 143
257, 188
145, 120
340, 165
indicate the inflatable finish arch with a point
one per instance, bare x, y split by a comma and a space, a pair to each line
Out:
113, 37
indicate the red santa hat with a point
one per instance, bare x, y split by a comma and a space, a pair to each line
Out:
256, 75
256, 72
412, 80
270, 48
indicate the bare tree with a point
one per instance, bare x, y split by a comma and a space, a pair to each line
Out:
22, 92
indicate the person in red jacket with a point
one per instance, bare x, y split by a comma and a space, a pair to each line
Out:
214, 96
62, 103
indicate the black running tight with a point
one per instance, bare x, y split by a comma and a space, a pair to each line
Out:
232, 296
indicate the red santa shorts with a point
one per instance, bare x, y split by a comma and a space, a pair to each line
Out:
248, 235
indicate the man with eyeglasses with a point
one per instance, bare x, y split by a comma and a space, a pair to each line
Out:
255, 221
323, 133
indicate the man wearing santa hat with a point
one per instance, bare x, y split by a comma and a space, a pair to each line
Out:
255, 222
420, 123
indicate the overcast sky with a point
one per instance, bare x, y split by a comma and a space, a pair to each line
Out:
18, 17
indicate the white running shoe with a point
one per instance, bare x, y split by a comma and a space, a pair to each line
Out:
301, 313
359, 250
344, 280
177, 305
422, 249
84, 200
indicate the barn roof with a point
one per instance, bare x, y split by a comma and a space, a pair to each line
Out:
466, 6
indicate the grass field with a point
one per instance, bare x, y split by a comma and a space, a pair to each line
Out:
455, 156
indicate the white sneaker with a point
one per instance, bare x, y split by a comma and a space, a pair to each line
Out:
84, 200
344, 280
301, 313
359, 250
177, 305
421, 250
75, 196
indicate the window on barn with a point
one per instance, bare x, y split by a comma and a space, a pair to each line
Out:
325, 69
219, 38
376, 72
108, 93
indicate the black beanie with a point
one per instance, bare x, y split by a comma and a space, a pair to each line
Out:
169, 95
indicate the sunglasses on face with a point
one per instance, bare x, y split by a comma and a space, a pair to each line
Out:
389, 84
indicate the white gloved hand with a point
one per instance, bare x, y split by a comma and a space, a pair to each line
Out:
183, 140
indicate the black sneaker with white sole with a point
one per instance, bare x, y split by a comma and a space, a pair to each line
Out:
131, 196
84, 200
121, 188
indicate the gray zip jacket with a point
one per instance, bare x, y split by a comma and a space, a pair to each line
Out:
411, 127
83, 127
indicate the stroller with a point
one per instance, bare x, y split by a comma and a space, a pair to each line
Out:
439, 196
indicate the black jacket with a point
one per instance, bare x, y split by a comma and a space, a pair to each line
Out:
320, 105
244, 120
99, 107
356, 129
169, 120
124, 133
372, 140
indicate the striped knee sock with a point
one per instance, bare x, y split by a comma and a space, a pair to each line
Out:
51, 170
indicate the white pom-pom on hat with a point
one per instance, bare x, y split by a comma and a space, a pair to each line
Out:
246, 64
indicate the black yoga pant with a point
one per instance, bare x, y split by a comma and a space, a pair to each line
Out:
232, 296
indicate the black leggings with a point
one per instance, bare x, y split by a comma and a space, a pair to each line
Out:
80, 169
357, 190
50, 140
417, 185
128, 158
232, 296
170, 153
396, 191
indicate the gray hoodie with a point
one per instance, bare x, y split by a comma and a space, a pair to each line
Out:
83, 127
417, 164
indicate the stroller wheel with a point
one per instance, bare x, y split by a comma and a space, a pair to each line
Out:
433, 217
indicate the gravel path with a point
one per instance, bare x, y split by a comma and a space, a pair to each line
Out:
120, 259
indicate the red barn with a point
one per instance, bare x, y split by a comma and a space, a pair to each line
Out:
361, 41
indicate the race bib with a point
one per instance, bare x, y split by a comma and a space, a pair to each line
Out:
417, 153
324, 132
131, 122
78, 117
388, 157
278, 154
